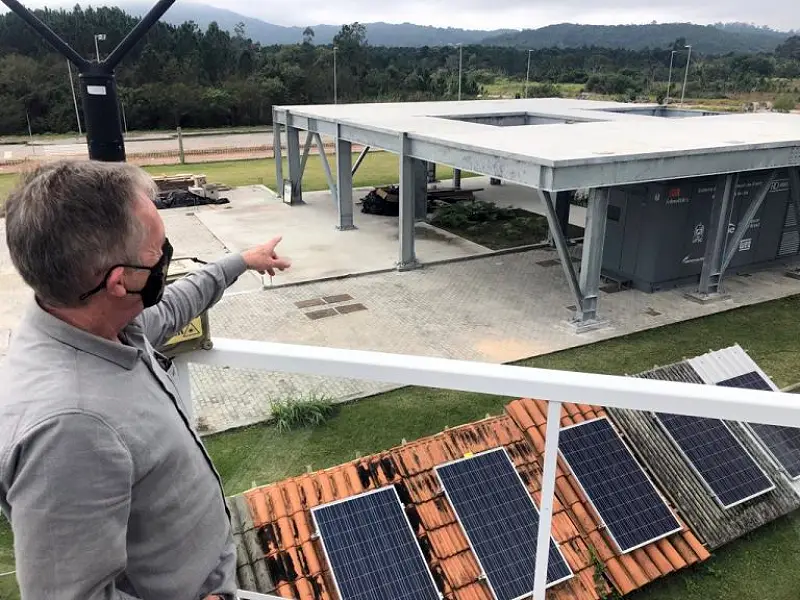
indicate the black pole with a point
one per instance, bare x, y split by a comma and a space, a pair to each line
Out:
97, 80
101, 113
138, 33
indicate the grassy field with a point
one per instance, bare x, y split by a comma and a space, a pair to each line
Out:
508, 88
379, 168
8, 586
766, 560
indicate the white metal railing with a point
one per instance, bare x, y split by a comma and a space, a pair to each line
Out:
555, 387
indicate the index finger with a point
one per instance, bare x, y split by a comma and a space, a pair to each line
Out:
273, 243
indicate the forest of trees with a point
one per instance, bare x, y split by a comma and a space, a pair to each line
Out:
181, 75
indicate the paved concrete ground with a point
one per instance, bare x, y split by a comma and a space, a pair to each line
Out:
495, 309
489, 308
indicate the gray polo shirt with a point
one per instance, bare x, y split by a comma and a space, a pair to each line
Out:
108, 488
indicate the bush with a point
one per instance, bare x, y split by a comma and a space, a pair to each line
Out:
299, 413
785, 103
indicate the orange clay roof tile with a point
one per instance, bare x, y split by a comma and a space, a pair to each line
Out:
281, 512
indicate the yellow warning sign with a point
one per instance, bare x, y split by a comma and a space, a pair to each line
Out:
192, 331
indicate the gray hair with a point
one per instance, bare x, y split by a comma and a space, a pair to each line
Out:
69, 222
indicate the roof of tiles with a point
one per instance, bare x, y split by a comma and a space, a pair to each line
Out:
282, 523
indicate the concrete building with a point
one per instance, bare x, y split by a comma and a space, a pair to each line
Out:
557, 146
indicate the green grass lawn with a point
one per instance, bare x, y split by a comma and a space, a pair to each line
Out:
8, 585
379, 168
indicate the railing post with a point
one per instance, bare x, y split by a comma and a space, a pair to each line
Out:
548, 496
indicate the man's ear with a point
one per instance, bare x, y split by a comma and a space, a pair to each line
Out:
115, 283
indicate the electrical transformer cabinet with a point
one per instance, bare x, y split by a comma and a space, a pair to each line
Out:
657, 233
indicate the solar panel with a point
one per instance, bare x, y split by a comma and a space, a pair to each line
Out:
783, 443
628, 503
372, 550
500, 521
721, 461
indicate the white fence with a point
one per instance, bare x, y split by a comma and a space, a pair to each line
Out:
555, 387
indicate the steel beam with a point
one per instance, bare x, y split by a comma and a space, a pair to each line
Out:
548, 494
561, 248
359, 160
431, 167
593, 241
344, 176
744, 224
326, 166
718, 232
408, 256
295, 176
277, 151
457, 179
306, 152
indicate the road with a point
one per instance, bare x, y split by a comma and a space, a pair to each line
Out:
138, 146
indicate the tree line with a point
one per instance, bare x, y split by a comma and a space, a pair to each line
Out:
185, 76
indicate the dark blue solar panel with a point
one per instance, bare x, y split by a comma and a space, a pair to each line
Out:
626, 500
500, 521
731, 474
782, 442
372, 550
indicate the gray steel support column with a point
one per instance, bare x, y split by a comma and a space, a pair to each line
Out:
593, 241
344, 184
326, 167
563, 207
360, 160
295, 176
717, 233
431, 172
306, 152
744, 225
408, 256
457, 179
561, 247
420, 190
495, 181
278, 154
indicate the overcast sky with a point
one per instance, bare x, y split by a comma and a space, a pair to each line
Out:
498, 14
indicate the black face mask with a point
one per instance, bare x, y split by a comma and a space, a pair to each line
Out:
153, 290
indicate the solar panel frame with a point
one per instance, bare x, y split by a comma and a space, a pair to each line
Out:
757, 380
700, 476
469, 539
644, 472
325, 550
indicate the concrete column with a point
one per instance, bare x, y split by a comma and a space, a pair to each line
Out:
717, 233
457, 179
278, 153
592, 262
408, 187
344, 184
295, 172
420, 190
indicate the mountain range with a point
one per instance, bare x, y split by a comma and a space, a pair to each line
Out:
709, 39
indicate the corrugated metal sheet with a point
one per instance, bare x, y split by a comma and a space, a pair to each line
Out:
715, 525
295, 562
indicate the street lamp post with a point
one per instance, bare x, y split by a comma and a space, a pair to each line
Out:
74, 98
686, 76
335, 78
460, 67
669, 84
98, 37
528, 73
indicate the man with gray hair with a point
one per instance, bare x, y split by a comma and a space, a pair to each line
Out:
109, 490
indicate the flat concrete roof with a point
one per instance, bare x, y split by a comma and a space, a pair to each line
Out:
598, 144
